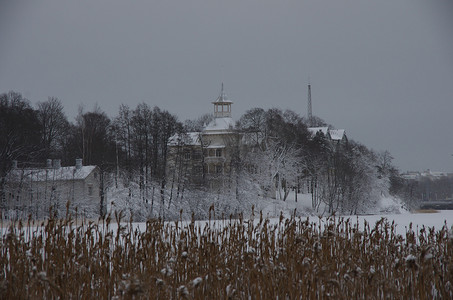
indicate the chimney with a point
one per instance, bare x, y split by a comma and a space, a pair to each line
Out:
78, 164
57, 163
14, 164
49, 163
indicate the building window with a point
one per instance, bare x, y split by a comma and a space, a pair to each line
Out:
95, 175
218, 169
90, 190
187, 155
198, 170
218, 152
196, 155
251, 169
30, 191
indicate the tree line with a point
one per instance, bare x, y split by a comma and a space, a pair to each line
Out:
345, 175
131, 145
131, 151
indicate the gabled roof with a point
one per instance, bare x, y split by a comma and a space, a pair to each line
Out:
53, 174
189, 139
337, 134
220, 124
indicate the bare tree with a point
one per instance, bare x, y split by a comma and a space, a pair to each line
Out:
198, 124
253, 127
94, 141
19, 134
54, 125
122, 126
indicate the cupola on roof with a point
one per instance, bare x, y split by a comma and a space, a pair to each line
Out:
222, 106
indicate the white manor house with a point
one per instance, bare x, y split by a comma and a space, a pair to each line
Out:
206, 157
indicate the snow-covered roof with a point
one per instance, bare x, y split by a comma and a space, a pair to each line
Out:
334, 134
62, 173
189, 138
337, 134
426, 174
220, 124
314, 130
410, 176
429, 173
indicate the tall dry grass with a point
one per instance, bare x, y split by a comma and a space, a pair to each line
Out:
233, 259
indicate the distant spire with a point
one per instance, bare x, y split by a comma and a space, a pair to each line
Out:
309, 112
222, 96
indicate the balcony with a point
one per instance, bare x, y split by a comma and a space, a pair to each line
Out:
215, 154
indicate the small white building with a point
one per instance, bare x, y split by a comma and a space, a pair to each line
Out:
36, 190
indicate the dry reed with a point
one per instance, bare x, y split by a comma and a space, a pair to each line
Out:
232, 259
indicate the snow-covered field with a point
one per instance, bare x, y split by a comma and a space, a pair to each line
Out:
418, 220
389, 208
403, 221
303, 207
433, 219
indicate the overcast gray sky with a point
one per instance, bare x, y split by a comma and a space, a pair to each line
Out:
382, 70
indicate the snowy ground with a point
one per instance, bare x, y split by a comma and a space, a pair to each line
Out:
388, 208
418, 220
436, 219
303, 207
